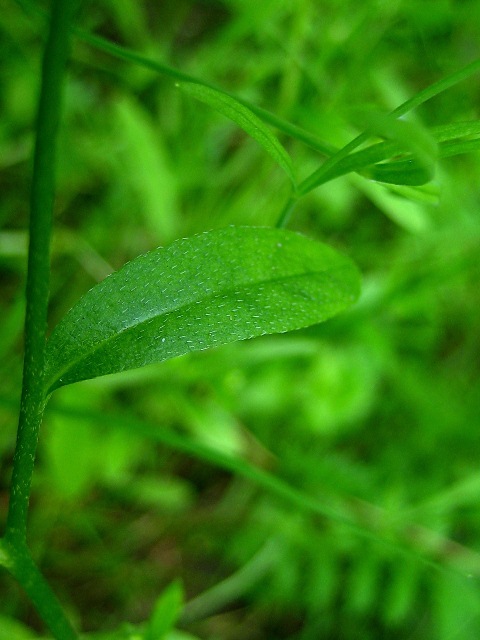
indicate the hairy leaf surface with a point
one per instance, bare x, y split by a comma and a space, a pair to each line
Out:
206, 290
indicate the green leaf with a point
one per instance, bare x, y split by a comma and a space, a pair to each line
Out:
401, 592
409, 214
13, 630
245, 119
144, 166
206, 290
402, 136
165, 613
411, 135
457, 147
403, 172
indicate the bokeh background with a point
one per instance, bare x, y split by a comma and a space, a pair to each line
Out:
374, 415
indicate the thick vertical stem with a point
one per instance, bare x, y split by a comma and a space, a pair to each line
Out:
14, 554
41, 209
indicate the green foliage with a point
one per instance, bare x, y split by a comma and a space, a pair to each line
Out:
199, 292
12, 630
165, 614
245, 119
318, 484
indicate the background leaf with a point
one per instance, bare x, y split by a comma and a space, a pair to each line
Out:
165, 613
202, 291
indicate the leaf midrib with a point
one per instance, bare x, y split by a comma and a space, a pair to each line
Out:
227, 291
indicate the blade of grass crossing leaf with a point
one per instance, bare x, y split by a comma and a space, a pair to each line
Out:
421, 97
401, 135
366, 162
437, 87
408, 171
288, 128
317, 177
412, 136
245, 119
133, 57
206, 290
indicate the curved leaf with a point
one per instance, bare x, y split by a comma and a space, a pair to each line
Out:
402, 172
244, 118
202, 291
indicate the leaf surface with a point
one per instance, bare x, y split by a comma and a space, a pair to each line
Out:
165, 613
206, 290
403, 172
245, 119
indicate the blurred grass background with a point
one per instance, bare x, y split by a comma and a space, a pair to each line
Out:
376, 414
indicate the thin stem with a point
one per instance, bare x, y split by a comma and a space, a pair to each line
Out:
38, 275
367, 520
235, 586
14, 553
286, 212
128, 55
17, 560
334, 154
123, 53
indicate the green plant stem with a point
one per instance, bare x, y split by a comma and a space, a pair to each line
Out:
17, 560
38, 275
235, 586
14, 554
286, 212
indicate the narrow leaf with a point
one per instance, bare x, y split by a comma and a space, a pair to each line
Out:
414, 137
456, 130
409, 171
166, 612
202, 291
401, 135
245, 119
403, 172
458, 147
